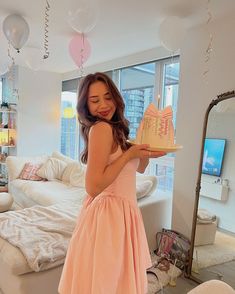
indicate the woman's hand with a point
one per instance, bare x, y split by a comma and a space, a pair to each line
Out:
141, 151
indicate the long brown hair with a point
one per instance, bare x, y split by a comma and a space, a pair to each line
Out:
120, 125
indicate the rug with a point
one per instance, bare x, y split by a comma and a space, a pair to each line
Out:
223, 250
155, 285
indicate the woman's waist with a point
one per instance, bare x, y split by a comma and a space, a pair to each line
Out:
127, 190
108, 194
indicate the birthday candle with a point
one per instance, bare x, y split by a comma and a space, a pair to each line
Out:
158, 99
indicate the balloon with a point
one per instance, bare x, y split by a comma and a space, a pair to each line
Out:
79, 49
16, 30
83, 19
172, 33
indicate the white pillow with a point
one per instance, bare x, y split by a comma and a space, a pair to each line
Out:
143, 188
52, 169
77, 176
74, 174
62, 157
68, 170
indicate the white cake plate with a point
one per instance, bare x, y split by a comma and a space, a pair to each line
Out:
168, 149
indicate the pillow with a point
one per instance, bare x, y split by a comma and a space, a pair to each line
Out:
52, 169
62, 157
15, 164
143, 188
74, 174
68, 170
77, 176
29, 172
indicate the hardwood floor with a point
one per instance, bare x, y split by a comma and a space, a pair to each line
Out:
226, 270
183, 286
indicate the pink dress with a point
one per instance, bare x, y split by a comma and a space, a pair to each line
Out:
108, 252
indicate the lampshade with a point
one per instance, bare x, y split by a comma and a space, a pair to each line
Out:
68, 112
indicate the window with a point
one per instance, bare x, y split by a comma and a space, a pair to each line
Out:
137, 89
139, 85
69, 125
0, 90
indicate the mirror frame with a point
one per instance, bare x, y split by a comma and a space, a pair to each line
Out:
221, 97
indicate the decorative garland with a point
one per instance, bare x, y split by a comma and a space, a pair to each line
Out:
46, 31
81, 68
11, 74
11, 66
209, 47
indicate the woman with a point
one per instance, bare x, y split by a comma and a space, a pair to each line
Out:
108, 252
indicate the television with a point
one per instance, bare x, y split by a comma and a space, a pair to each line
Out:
213, 156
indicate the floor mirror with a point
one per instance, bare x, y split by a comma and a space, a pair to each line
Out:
212, 255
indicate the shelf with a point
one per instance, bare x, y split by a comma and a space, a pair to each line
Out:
4, 188
7, 129
214, 190
7, 111
8, 123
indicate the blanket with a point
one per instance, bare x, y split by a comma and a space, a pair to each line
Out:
41, 233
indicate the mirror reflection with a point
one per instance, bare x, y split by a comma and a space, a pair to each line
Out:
214, 246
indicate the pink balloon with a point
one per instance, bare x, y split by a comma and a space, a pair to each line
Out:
79, 49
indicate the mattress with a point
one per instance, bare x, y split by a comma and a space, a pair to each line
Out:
45, 282
17, 277
29, 193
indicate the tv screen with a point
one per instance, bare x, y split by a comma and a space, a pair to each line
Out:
213, 156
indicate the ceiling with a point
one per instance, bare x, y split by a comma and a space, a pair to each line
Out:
122, 27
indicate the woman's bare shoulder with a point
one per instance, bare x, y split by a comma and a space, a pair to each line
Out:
101, 126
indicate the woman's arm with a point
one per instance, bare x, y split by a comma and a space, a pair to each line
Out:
145, 161
100, 174
142, 165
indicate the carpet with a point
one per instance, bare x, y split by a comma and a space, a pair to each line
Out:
223, 250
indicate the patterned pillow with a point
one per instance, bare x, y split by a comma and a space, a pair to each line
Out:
29, 172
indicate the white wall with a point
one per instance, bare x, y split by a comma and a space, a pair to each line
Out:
221, 125
38, 118
138, 58
194, 96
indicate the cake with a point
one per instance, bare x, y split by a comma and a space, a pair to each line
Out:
156, 128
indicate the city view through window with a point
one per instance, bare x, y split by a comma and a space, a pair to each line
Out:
139, 85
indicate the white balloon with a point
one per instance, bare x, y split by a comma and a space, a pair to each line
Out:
172, 32
82, 19
16, 30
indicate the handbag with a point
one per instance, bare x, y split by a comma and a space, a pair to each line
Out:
174, 246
